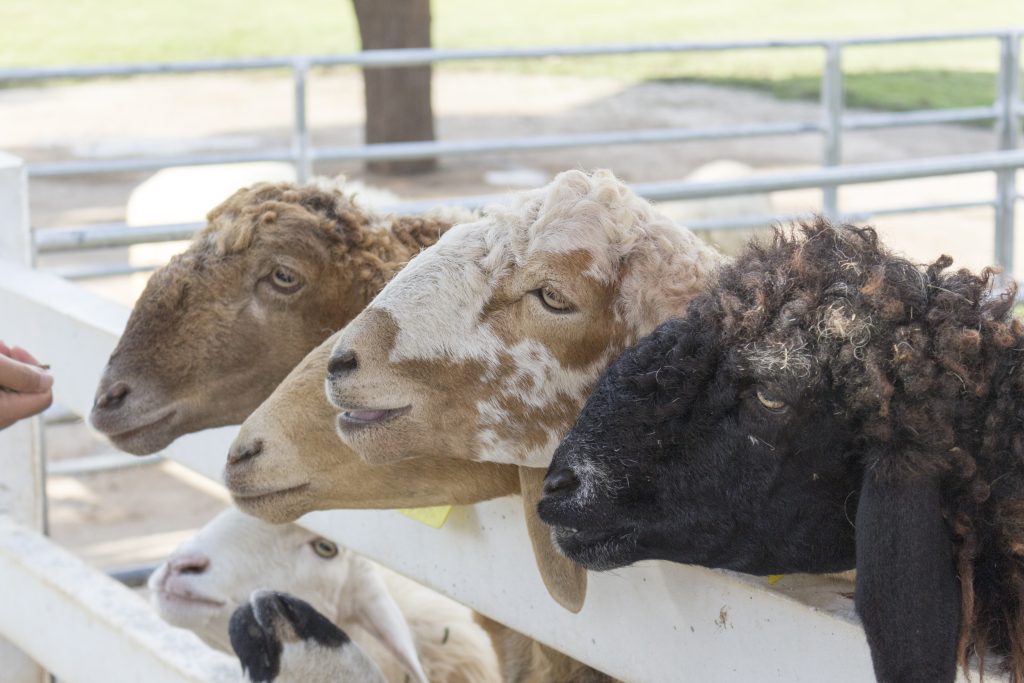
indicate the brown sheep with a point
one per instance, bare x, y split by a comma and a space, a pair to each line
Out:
276, 271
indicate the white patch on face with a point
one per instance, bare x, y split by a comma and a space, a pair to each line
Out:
436, 299
538, 381
305, 661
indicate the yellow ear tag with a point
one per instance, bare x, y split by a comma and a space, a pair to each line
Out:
774, 579
433, 516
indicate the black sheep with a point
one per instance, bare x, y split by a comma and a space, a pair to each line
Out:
826, 405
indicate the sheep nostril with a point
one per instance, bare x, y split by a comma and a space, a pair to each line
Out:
243, 452
114, 396
193, 564
342, 363
561, 481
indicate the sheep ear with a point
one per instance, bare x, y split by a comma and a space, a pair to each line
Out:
565, 580
377, 612
908, 594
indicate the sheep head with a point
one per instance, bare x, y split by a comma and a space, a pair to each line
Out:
212, 575
827, 405
485, 346
287, 460
276, 271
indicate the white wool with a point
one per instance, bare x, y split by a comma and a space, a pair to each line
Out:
245, 554
437, 300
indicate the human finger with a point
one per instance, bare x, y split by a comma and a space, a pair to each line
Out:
14, 407
23, 377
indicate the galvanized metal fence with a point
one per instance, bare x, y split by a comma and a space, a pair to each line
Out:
1005, 111
778, 628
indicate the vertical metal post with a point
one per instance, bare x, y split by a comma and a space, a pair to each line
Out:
832, 122
300, 135
22, 466
1008, 133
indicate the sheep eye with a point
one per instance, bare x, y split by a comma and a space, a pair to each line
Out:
553, 301
324, 548
285, 280
769, 402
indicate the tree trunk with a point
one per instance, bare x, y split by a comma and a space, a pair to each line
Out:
398, 106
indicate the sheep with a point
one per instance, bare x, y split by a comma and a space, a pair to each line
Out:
826, 404
278, 268
278, 637
398, 623
296, 424
498, 331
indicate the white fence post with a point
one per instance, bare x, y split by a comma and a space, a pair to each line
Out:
22, 470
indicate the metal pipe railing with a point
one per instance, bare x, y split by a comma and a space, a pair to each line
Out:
1006, 111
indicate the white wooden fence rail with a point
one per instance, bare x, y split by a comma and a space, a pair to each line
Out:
654, 622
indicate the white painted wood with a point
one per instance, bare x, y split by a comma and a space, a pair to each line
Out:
653, 622
22, 479
88, 628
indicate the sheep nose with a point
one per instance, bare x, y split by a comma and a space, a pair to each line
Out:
113, 398
189, 564
562, 481
245, 451
342, 363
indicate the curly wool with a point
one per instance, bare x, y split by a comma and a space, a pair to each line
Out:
377, 245
924, 361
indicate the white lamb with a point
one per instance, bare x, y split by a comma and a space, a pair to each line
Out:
206, 578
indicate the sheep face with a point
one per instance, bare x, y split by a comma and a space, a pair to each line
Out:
296, 462
209, 576
275, 272
485, 346
691, 452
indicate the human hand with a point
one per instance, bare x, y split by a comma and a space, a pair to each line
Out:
25, 386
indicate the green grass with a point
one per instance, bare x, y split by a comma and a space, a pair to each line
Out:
892, 91
52, 32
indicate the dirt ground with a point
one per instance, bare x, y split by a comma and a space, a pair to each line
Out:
132, 516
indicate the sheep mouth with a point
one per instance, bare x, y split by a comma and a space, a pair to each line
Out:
350, 419
188, 597
257, 497
596, 549
126, 437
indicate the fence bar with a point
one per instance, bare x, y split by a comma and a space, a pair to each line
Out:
426, 56
303, 154
22, 456
1008, 130
420, 150
300, 135
87, 627
832, 122
65, 168
119, 234
740, 222
918, 118
852, 174
91, 464
109, 235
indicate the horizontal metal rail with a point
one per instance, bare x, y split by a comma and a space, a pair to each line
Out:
65, 168
108, 235
118, 235
454, 148
425, 56
93, 464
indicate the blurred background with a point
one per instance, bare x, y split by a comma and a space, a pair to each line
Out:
122, 131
